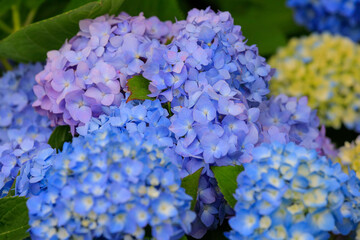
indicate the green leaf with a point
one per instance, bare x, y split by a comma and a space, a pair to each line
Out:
139, 88
163, 9
167, 106
264, 23
13, 218
191, 184
226, 177
59, 136
32, 42
169, 40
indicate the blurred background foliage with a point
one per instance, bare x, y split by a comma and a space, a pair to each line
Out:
267, 23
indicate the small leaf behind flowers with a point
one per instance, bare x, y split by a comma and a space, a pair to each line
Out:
139, 88
59, 136
226, 177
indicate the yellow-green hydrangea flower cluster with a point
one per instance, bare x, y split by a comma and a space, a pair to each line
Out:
325, 68
349, 156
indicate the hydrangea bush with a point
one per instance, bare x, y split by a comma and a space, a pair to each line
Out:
330, 78
163, 117
208, 54
290, 192
215, 84
337, 17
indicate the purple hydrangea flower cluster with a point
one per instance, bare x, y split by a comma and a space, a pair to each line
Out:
207, 48
111, 184
91, 70
289, 192
334, 16
22, 132
288, 119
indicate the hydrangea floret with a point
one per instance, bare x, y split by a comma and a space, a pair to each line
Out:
111, 184
290, 192
326, 69
23, 133
337, 17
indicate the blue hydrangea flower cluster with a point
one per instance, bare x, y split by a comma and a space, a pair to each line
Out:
22, 132
207, 48
288, 119
289, 192
334, 16
111, 184
92, 69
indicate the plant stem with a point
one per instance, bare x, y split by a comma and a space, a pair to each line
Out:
5, 27
169, 109
6, 64
16, 17
30, 17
